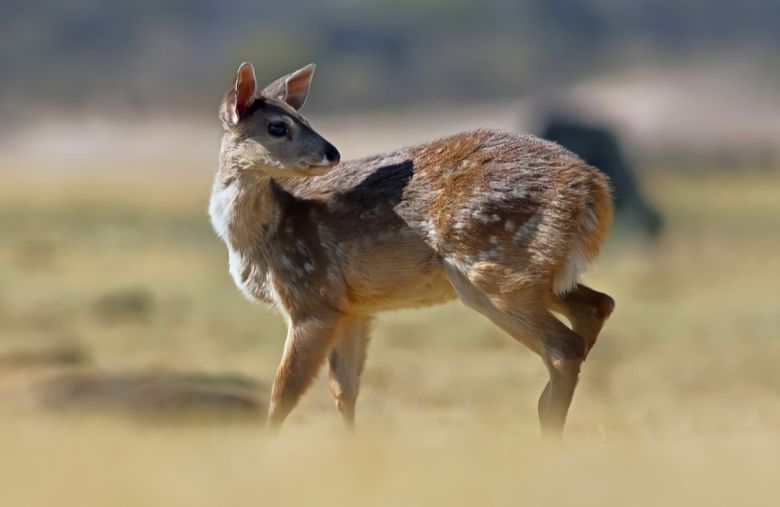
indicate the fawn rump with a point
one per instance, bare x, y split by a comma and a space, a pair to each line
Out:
505, 223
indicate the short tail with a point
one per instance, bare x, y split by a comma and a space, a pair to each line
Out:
593, 224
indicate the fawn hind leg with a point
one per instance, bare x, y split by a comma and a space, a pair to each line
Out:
586, 310
526, 318
346, 361
563, 353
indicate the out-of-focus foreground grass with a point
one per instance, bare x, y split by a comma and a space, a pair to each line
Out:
678, 404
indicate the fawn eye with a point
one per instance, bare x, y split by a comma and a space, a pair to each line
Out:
277, 129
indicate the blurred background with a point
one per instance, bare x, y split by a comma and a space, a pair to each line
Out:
133, 372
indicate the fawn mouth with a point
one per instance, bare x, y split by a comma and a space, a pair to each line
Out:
316, 168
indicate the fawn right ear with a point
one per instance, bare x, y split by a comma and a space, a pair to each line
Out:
292, 88
241, 96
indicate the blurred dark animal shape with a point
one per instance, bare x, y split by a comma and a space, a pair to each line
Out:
600, 147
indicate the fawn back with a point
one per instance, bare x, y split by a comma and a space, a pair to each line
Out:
506, 223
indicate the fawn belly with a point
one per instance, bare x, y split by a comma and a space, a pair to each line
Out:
387, 278
404, 292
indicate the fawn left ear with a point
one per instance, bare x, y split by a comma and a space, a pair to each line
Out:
240, 96
292, 88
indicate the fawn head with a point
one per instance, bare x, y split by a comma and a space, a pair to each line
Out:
264, 131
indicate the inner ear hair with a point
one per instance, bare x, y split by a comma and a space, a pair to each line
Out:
245, 91
292, 88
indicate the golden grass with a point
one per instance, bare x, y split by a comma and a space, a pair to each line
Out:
678, 404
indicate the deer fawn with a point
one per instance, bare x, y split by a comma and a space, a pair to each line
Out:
504, 222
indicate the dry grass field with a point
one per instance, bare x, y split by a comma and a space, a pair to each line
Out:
679, 404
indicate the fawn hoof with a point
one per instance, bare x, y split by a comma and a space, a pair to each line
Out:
605, 306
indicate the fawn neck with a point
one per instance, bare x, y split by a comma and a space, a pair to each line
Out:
244, 204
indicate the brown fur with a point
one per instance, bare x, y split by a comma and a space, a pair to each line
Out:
504, 222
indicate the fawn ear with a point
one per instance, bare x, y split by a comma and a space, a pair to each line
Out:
292, 88
241, 96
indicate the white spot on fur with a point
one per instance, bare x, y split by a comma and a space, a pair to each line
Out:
499, 186
430, 229
309, 267
519, 193
529, 227
486, 255
509, 226
485, 218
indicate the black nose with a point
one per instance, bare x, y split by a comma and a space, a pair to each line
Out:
332, 154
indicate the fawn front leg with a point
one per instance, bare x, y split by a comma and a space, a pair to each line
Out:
307, 345
346, 364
